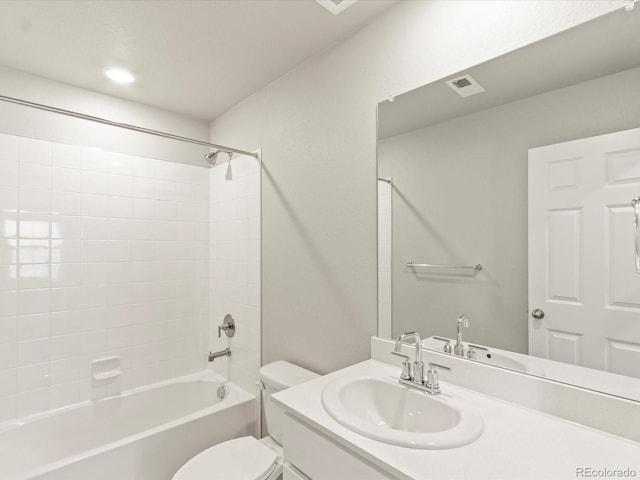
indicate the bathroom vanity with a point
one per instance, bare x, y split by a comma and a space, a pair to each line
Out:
515, 442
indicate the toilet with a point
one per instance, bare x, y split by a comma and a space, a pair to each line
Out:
247, 458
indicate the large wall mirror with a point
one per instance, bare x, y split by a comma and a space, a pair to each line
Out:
505, 209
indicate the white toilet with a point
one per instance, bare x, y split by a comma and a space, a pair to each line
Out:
247, 458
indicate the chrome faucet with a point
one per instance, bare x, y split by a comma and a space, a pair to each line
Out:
418, 367
458, 349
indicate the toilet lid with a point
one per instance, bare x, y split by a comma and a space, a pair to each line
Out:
243, 458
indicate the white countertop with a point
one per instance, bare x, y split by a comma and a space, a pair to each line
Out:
517, 443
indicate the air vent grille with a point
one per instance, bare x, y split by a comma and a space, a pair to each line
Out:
465, 86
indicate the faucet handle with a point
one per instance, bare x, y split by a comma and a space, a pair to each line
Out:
432, 383
406, 366
447, 346
471, 353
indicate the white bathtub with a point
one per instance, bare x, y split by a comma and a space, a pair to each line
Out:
143, 434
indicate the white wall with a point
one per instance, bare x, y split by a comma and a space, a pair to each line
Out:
316, 127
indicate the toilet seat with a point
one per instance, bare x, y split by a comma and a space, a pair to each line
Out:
243, 458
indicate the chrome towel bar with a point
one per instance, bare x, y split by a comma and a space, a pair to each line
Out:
410, 264
635, 203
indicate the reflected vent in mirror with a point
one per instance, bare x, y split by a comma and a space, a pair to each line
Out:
465, 86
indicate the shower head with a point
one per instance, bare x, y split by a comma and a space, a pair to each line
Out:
211, 157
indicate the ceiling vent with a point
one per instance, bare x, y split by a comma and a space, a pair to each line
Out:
465, 86
336, 6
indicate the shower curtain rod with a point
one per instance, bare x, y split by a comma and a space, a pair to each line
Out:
126, 126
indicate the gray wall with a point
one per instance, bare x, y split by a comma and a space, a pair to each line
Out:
460, 197
317, 128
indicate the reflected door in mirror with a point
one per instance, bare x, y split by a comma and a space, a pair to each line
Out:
585, 281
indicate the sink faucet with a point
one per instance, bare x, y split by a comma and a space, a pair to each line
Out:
416, 379
418, 366
458, 349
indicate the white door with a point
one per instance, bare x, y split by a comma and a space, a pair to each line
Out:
582, 274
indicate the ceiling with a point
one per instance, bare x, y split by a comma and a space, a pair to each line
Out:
197, 58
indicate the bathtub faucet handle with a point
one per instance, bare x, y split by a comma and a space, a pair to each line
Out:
228, 326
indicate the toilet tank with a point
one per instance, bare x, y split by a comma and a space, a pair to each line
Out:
278, 376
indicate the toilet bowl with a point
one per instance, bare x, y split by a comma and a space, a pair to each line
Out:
247, 458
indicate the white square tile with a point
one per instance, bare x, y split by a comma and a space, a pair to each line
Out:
94, 205
35, 176
8, 278
166, 210
121, 164
32, 401
120, 207
67, 156
32, 352
8, 382
66, 203
33, 251
119, 250
66, 274
35, 200
8, 199
8, 148
144, 188
8, 251
8, 173
34, 276
94, 250
144, 167
95, 182
95, 160
33, 301
120, 186
64, 394
167, 171
94, 228
33, 327
34, 226
64, 251
33, 376
120, 229
8, 355
34, 151
66, 179
66, 227
94, 273
8, 225
167, 191
144, 209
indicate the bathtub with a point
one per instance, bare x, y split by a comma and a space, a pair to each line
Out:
143, 434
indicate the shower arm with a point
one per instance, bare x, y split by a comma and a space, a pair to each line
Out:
126, 126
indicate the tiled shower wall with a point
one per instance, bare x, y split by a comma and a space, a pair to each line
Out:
100, 254
235, 268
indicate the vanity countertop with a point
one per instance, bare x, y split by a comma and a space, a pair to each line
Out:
517, 443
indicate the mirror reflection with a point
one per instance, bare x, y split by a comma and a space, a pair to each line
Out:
506, 229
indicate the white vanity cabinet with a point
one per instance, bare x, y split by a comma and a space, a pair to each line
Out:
310, 455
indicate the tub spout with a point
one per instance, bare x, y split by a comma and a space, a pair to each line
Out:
222, 353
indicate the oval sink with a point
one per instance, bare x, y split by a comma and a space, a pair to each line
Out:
384, 410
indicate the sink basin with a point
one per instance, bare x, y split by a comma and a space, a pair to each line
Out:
384, 410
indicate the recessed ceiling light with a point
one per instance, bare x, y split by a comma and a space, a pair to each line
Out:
119, 76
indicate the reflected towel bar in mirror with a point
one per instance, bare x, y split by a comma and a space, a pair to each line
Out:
410, 264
